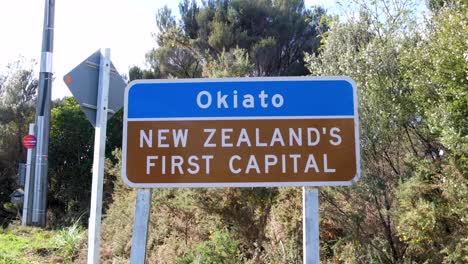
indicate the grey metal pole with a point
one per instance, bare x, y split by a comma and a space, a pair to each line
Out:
37, 189
43, 111
140, 226
28, 185
310, 222
94, 226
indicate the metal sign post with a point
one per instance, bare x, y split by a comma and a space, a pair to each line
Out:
140, 228
310, 225
94, 228
90, 82
28, 185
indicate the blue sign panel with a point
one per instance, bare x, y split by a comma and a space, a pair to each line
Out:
261, 98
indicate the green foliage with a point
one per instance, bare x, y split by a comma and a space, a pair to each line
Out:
176, 62
244, 211
418, 224
282, 30
370, 55
71, 149
286, 216
182, 219
117, 224
433, 212
70, 161
164, 19
288, 252
437, 5
135, 73
173, 221
229, 64
221, 248
437, 68
18, 85
412, 93
188, 11
284, 228
23, 245
69, 240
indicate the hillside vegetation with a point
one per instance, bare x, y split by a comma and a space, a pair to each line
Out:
25, 245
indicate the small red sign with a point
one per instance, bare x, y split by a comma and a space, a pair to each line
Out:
29, 141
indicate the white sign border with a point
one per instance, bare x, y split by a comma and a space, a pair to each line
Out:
241, 184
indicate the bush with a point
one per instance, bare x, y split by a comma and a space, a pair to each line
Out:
68, 240
221, 248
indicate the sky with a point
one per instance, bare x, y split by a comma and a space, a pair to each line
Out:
81, 28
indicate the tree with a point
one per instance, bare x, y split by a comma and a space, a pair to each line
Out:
273, 33
412, 86
70, 161
436, 5
432, 211
136, 73
367, 47
71, 158
228, 64
17, 97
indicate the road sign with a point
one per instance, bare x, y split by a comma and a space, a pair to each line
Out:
83, 84
17, 197
241, 132
29, 141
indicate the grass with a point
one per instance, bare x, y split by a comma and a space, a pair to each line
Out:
30, 245
68, 241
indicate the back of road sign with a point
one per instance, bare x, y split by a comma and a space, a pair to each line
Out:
242, 132
83, 84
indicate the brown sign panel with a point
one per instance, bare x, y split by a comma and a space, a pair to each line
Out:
200, 151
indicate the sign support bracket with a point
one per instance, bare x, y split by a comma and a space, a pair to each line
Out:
140, 227
310, 222
94, 228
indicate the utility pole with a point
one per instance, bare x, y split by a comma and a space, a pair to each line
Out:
40, 160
